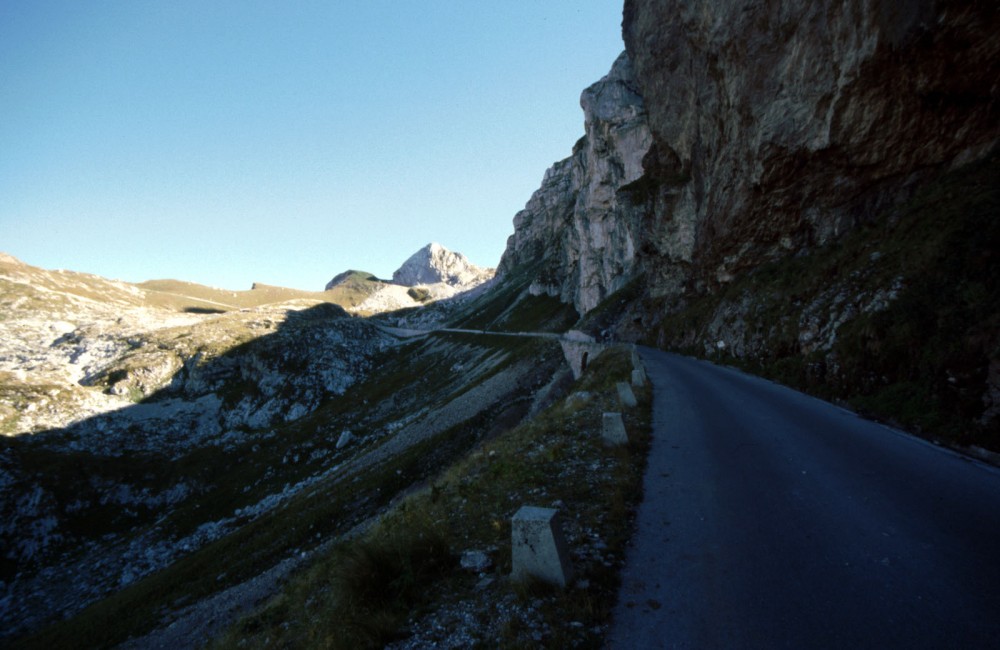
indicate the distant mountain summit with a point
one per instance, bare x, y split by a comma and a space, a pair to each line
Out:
432, 273
435, 264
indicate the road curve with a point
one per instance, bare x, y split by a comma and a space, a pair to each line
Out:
775, 520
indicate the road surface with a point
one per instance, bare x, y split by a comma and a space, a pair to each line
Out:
775, 520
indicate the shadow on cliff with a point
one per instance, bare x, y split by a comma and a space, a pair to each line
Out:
900, 319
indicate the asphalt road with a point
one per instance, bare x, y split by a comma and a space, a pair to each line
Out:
775, 520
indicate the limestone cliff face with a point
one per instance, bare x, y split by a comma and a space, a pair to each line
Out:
780, 125
577, 226
734, 133
434, 263
790, 184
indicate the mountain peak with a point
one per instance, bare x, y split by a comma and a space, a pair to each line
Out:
434, 263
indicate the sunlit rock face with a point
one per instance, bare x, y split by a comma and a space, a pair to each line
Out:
434, 264
577, 226
431, 274
778, 126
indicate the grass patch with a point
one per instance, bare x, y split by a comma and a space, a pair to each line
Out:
326, 510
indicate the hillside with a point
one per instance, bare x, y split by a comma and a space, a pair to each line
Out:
214, 422
172, 293
152, 429
73, 345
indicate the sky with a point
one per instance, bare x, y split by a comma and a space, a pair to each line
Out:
228, 143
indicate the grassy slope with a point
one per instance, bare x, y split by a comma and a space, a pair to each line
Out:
359, 594
242, 476
922, 361
509, 307
175, 294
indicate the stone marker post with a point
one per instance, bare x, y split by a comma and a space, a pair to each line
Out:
613, 430
625, 395
639, 377
537, 547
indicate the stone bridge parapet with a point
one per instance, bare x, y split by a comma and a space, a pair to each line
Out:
579, 349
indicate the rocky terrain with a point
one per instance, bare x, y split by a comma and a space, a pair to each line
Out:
433, 273
125, 406
103, 378
737, 146
75, 345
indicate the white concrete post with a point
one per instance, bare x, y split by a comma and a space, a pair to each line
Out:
625, 395
537, 547
613, 430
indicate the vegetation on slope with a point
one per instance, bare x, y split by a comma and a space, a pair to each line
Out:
399, 419
403, 574
510, 307
900, 319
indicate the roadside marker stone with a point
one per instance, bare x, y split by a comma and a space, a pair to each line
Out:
625, 395
613, 430
639, 377
538, 549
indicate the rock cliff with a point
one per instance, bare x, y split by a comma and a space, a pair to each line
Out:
779, 126
735, 133
576, 226
789, 185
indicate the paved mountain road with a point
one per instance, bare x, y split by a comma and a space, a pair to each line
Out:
772, 519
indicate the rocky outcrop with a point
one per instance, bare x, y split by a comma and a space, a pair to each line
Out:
782, 130
735, 133
435, 264
779, 126
578, 227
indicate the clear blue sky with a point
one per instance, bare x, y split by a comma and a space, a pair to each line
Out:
283, 142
